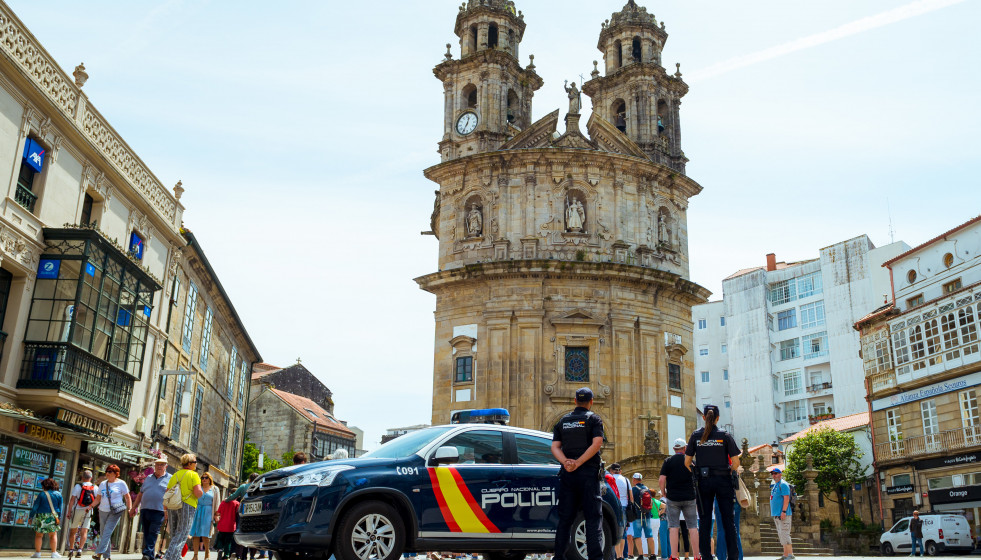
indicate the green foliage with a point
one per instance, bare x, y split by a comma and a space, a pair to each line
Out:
250, 461
853, 524
826, 524
837, 460
288, 457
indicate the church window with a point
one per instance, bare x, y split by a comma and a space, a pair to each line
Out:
464, 369
512, 105
662, 115
635, 49
511, 44
620, 115
492, 36
948, 260
472, 40
576, 363
674, 377
619, 54
469, 97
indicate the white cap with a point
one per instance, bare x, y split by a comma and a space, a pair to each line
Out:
638, 475
679, 443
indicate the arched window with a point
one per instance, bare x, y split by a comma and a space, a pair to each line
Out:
492, 36
512, 46
619, 54
469, 97
618, 115
635, 49
512, 106
472, 39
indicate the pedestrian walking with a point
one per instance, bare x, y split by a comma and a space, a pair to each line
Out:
44, 517
624, 493
113, 501
226, 521
189, 484
781, 511
678, 490
149, 504
916, 533
203, 518
642, 526
711, 451
576, 441
80, 506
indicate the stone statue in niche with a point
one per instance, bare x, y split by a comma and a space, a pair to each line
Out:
652, 440
575, 215
663, 230
575, 99
475, 221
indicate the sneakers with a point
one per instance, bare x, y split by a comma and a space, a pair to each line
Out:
55, 555
36, 555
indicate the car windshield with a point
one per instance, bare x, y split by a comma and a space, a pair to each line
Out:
407, 444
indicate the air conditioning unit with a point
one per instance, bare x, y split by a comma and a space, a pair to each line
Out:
141, 424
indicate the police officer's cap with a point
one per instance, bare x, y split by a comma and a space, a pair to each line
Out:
584, 394
711, 407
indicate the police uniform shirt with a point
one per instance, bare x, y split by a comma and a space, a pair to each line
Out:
576, 431
716, 450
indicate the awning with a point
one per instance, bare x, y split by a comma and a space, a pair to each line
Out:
110, 449
134, 455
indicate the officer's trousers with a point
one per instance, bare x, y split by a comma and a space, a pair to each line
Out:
710, 489
580, 491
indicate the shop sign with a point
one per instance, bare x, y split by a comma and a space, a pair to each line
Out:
41, 433
31, 459
76, 420
106, 451
955, 495
952, 461
969, 380
901, 489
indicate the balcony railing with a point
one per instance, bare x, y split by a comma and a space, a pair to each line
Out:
959, 438
815, 418
62, 367
818, 387
25, 198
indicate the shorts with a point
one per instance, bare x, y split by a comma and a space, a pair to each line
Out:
783, 529
675, 509
81, 519
45, 523
643, 525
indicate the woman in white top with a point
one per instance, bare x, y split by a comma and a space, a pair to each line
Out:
113, 501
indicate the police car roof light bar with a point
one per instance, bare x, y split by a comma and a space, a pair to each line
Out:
482, 416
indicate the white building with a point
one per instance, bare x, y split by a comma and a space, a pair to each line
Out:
790, 353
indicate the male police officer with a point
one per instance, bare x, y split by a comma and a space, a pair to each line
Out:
576, 441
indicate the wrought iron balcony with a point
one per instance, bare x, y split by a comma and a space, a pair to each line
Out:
904, 448
819, 387
25, 197
62, 367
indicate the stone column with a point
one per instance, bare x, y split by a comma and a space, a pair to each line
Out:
812, 529
749, 522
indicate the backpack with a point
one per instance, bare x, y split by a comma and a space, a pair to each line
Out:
792, 506
86, 496
646, 500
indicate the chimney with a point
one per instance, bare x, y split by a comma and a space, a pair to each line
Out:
771, 262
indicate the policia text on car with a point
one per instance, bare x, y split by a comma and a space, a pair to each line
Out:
576, 441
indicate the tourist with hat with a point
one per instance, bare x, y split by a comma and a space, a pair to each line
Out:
679, 497
149, 504
781, 511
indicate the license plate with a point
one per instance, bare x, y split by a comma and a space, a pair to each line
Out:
252, 508
953, 541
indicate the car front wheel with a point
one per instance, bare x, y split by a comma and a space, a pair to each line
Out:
887, 549
578, 550
371, 531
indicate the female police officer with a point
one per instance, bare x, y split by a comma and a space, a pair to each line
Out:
713, 451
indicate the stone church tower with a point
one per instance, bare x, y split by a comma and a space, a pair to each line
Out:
563, 256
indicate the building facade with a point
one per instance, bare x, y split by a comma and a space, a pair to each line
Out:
563, 256
712, 361
922, 364
296, 379
281, 422
788, 342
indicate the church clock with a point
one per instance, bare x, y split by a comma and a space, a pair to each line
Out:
466, 123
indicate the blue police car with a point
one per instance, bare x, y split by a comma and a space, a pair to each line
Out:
477, 488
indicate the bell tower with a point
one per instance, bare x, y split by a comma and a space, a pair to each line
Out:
635, 93
487, 94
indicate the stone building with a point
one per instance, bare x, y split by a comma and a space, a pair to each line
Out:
922, 363
295, 379
280, 422
563, 256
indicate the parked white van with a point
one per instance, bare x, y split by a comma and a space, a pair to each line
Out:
940, 533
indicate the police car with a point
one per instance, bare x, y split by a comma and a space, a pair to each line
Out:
470, 487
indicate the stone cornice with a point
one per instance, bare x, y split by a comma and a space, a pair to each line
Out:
636, 70
22, 50
668, 284
479, 60
474, 8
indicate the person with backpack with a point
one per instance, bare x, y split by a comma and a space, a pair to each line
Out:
782, 511
80, 507
642, 526
149, 504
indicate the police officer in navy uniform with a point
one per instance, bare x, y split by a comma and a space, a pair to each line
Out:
576, 441
713, 451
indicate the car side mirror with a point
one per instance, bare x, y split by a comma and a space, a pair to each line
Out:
446, 454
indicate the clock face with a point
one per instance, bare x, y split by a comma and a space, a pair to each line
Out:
466, 123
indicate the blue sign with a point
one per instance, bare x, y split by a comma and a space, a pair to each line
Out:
33, 155
136, 246
146, 310
123, 318
48, 269
90, 269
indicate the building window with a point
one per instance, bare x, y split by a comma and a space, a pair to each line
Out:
809, 285
230, 385
820, 409
702, 323
464, 369
793, 383
196, 419
224, 441
787, 319
782, 292
932, 329
970, 417
952, 286
911, 276
900, 347
722, 321
895, 429
789, 349
901, 480
776, 383
241, 383
674, 377
965, 319
876, 356
189, 312
725, 349
916, 342
915, 301
235, 453
728, 404
703, 351
30, 166
87, 203
948, 260
931, 426
815, 345
705, 377
576, 363
206, 339
725, 375
175, 426
794, 411
812, 315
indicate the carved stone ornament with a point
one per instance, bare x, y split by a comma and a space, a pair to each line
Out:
81, 76
652, 440
475, 221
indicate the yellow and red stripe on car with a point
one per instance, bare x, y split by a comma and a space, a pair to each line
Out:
460, 510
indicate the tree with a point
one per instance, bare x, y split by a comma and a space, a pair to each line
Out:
837, 459
250, 461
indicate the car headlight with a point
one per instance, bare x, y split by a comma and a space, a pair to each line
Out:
322, 477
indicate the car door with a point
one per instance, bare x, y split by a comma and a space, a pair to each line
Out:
532, 497
464, 504
899, 535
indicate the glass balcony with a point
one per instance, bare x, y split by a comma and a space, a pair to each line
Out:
61, 367
905, 448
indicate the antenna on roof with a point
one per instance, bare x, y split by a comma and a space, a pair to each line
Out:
891, 232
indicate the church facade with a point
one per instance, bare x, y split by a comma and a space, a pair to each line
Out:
563, 255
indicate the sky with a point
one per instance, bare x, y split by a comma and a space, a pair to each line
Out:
300, 130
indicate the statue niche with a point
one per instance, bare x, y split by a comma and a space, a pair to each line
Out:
665, 227
473, 219
575, 213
